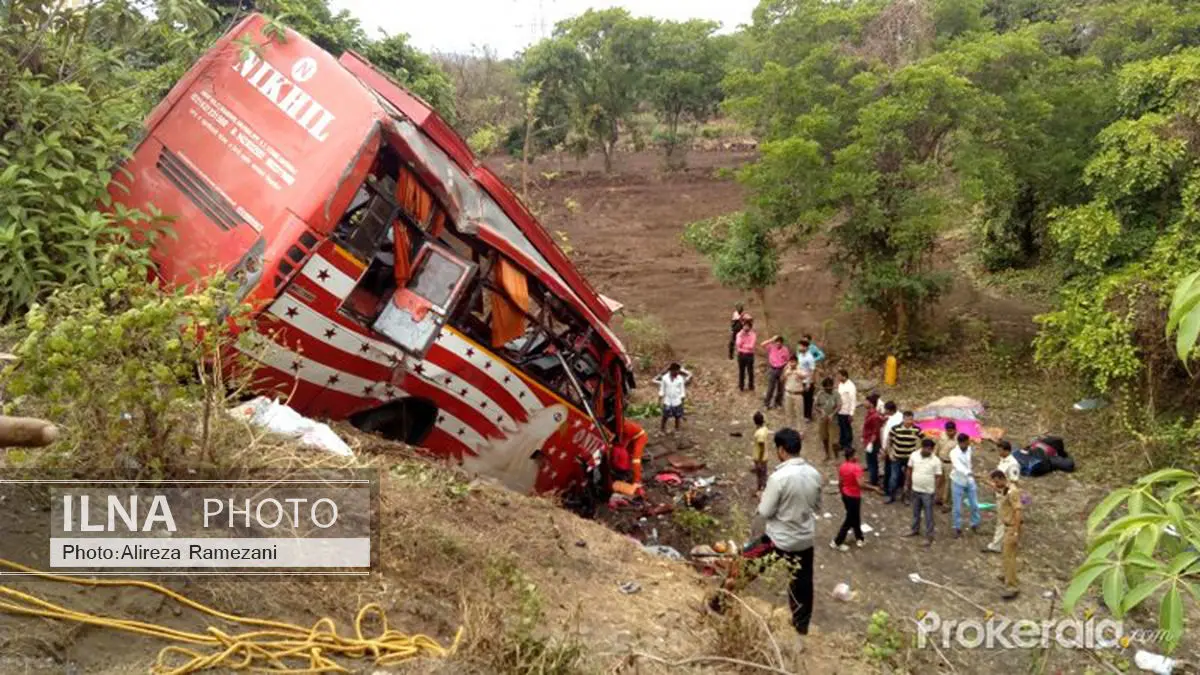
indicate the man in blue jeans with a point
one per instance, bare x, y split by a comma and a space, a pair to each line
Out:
903, 442
962, 484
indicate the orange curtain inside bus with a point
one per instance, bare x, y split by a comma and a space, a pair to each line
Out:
508, 317
413, 196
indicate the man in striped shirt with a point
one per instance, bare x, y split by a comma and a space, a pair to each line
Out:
902, 442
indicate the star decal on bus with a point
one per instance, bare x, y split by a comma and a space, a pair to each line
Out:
323, 275
368, 390
419, 368
330, 333
333, 379
292, 312
297, 365
364, 348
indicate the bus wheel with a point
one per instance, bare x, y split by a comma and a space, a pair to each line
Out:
408, 420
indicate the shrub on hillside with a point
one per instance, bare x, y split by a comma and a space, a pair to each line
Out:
129, 372
647, 340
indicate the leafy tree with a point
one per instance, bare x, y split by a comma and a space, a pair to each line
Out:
743, 253
1125, 250
594, 68
685, 77
413, 69
70, 107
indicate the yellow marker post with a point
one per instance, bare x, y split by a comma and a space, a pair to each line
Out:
891, 371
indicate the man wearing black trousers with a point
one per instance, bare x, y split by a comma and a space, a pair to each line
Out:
745, 344
735, 325
789, 504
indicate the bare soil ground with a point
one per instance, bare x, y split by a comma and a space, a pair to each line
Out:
626, 229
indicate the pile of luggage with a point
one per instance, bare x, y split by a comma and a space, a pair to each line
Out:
1044, 454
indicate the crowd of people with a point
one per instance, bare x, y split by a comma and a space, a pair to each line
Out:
929, 472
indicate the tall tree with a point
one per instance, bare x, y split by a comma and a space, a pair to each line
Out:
413, 69
597, 62
684, 83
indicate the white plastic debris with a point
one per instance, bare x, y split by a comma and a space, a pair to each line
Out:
842, 592
1153, 663
281, 419
827, 515
663, 552
867, 529
915, 578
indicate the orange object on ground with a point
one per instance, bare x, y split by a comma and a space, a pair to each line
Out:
622, 488
891, 371
635, 436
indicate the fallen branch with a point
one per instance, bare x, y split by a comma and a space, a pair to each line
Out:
710, 659
26, 432
937, 649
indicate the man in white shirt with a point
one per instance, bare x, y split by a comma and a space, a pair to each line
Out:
1012, 472
923, 476
893, 473
807, 365
962, 484
848, 394
789, 504
672, 391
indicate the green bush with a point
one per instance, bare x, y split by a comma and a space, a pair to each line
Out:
485, 141
647, 340
131, 374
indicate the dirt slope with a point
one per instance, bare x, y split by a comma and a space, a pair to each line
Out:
453, 554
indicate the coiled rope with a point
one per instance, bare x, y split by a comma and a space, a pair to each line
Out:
275, 646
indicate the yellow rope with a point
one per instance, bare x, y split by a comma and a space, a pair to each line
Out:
274, 647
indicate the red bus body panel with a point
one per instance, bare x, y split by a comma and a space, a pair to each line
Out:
266, 148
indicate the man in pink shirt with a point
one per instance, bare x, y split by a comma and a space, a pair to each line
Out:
746, 343
777, 358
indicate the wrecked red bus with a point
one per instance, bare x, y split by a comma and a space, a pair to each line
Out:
398, 283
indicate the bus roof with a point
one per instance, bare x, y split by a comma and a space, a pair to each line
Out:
453, 145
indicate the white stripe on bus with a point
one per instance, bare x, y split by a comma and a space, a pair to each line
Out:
325, 274
271, 353
500, 370
319, 327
